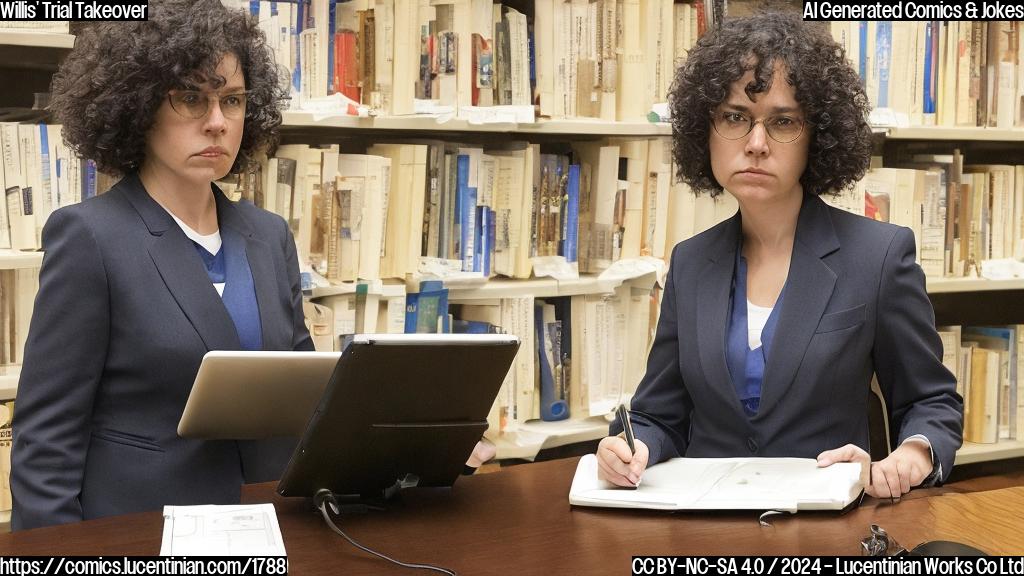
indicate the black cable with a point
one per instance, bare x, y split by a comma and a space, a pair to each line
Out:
322, 500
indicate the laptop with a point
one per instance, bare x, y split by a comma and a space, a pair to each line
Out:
241, 395
400, 410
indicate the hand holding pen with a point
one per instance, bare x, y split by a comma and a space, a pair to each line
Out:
622, 459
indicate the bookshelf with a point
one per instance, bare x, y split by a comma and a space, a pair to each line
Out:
537, 435
958, 285
950, 133
376, 288
36, 39
11, 259
1002, 450
478, 288
542, 287
979, 300
9, 383
296, 121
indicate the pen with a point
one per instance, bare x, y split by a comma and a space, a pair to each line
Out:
623, 414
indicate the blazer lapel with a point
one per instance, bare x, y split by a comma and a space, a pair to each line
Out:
261, 264
808, 290
182, 272
713, 289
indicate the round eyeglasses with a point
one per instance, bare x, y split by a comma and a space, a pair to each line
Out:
733, 125
195, 105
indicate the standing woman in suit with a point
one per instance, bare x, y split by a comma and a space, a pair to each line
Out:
139, 283
774, 321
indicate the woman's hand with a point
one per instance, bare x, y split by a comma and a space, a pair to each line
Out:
906, 467
617, 465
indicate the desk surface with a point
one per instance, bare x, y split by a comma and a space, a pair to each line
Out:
519, 520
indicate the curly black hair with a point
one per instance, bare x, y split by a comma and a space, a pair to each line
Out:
827, 88
108, 89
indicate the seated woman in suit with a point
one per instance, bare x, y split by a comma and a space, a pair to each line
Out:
139, 283
774, 321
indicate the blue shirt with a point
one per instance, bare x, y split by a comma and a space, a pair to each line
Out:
746, 366
231, 266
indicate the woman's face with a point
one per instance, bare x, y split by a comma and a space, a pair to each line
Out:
198, 131
757, 166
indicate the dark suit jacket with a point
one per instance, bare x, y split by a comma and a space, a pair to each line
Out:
125, 313
855, 304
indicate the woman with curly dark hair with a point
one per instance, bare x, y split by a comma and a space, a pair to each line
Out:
139, 283
774, 321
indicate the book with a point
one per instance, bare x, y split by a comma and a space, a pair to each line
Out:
784, 484
6, 438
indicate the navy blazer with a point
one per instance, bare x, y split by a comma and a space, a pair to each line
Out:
855, 305
125, 313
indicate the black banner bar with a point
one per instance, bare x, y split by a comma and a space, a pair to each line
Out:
913, 10
83, 10
815, 565
133, 565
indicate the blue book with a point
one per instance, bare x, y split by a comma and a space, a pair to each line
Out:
44, 167
88, 179
466, 202
531, 50
883, 60
482, 244
552, 407
931, 48
473, 327
300, 24
571, 232
254, 8
332, 9
432, 308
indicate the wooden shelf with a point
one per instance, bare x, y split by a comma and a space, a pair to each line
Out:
478, 288
948, 285
596, 127
537, 287
36, 38
9, 384
384, 290
294, 119
535, 435
956, 133
1001, 450
532, 436
10, 259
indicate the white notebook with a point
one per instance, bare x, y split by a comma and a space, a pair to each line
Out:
785, 484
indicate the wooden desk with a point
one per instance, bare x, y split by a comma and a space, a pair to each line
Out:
518, 521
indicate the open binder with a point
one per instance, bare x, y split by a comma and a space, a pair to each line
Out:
784, 484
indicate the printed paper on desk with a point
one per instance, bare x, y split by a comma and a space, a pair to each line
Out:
786, 484
240, 530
